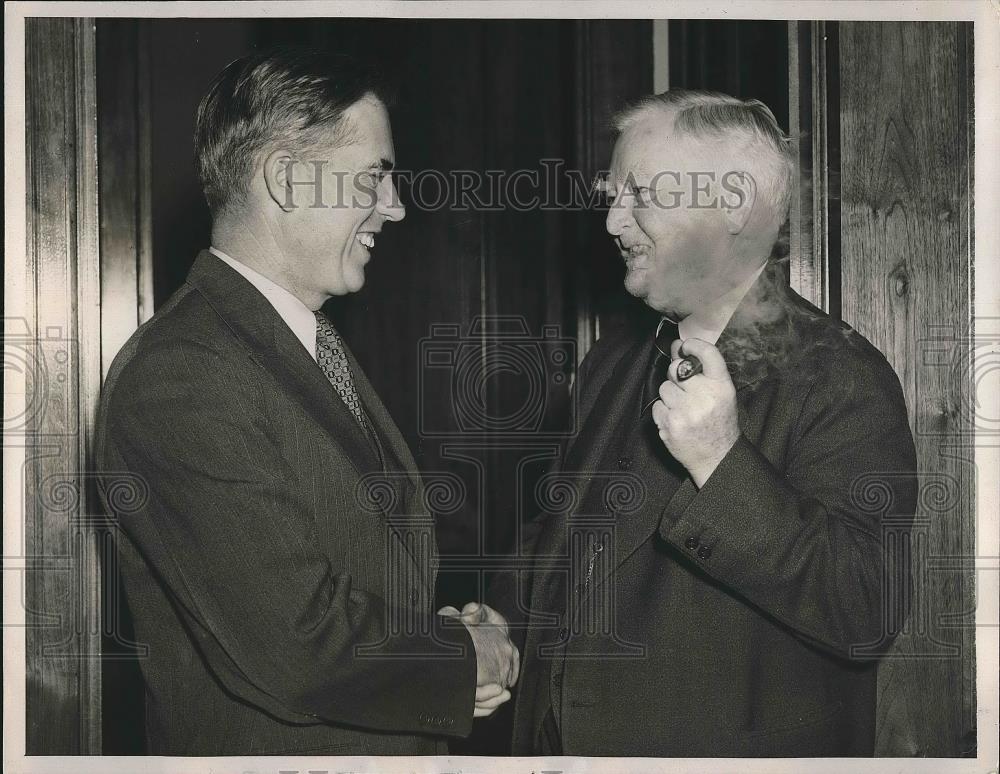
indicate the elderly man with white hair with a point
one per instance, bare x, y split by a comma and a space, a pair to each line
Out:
718, 585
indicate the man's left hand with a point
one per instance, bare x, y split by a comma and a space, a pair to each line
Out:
697, 418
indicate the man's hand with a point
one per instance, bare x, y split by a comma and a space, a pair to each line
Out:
497, 659
697, 418
488, 698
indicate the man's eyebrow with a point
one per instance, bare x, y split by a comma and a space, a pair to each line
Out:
383, 165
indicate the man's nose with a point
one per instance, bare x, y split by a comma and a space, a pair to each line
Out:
619, 215
389, 204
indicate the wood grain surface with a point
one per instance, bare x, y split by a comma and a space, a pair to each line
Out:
62, 600
905, 173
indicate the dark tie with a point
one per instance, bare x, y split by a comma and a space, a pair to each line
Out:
332, 359
659, 363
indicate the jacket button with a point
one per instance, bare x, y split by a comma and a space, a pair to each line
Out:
624, 463
563, 633
704, 552
557, 679
691, 542
580, 588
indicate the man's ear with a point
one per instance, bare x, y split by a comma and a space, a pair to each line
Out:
738, 199
278, 178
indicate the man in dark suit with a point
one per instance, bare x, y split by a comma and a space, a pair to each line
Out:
286, 603
714, 584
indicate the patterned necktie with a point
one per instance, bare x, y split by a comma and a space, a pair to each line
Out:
660, 363
332, 359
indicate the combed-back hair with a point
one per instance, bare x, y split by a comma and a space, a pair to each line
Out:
285, 96
748, 126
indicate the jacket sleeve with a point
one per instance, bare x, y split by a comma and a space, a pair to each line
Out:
805, 543
228, 525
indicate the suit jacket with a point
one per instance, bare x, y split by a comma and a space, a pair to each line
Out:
285, 605
742, 619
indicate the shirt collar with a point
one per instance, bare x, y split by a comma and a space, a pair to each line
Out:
708, 323
297, 316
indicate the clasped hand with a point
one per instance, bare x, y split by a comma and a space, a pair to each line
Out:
497, 659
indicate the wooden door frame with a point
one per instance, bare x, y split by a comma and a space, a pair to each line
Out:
814, 214
62, 329
926, 695
87, 287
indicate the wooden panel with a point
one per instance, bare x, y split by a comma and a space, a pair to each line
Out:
62, 597
906, 257
815, 201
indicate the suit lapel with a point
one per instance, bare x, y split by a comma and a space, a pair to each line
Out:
615, 411
598, 427
397, 458
658, 473
582, 457
273, 347
400, 472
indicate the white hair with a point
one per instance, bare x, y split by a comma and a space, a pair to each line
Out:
748, 126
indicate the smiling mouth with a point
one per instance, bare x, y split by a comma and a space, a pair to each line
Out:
366, 239
632, 254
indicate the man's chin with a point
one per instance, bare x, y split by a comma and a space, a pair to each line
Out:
662, 305
354, 279
346, 286
636, 285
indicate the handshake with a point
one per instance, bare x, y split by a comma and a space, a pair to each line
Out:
497, 659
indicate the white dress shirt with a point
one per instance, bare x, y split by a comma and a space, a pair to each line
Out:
296, 315
708, 323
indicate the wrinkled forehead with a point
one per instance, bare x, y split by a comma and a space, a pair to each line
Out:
652, 146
